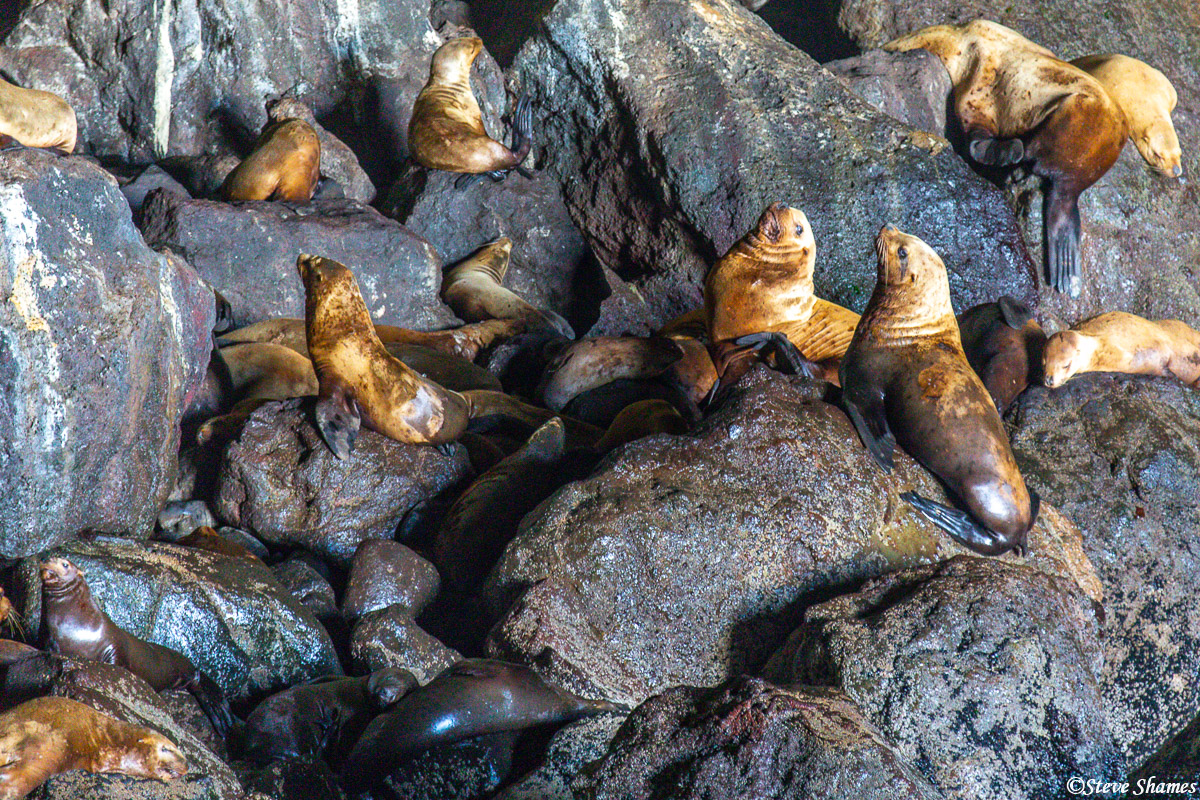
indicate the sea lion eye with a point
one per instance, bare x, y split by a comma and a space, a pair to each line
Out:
902, 252
799, 230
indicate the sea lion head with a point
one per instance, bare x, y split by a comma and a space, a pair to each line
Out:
1063, 356
784, 227
157, 757
388, 685
331, 293
912, 282
453, 60
59, 573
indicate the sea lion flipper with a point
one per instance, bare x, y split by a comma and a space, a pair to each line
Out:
1062, 240
872, 426
212, 702
995, 152
522, 130
788, 358
338, 420
962, 527
467, 180
1014, 312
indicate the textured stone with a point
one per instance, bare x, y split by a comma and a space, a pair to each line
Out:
912, 87
386, 573
389, 638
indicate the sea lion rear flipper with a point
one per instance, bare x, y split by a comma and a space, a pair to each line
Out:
962, 527
212, 702
1062, 240
871, 423
995, 152
1014, 312
338, 420
522, 130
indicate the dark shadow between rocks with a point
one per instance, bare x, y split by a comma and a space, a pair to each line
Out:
10, 12
588, 290
504, 25
810, 25
360, 121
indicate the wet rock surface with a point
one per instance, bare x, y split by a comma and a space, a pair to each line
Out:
570, 749
912, 87
390, 638
386, 573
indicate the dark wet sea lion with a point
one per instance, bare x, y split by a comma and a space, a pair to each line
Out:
474, 289
906, 379
284, 165
75, 626
13, 651
1120, 342
471, 698
644, 418
593, 362
48, 735
1018, 102
323, 717
1003, 343
33, 118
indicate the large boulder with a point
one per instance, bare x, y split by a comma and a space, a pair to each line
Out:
984, 674
248, 251
1121, 457
102, 343
686, 559
672, 126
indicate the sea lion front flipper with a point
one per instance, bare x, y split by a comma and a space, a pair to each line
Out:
788, 358
1014, 313
870, 420
522, 132
338, 420
496, 175
212, 702
1062, 240
962, 527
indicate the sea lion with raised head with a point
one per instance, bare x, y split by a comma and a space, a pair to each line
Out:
75, 626
760, 295
1016, 101
48, 735
474, 289
1121, 342
1003, 342
471, 698
284, 165
446, 129
906, 379
33, 118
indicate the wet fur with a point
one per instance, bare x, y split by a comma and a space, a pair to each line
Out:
284, 165
1121, 342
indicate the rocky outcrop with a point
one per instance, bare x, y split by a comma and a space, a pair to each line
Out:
912, 87
102, 343
570, 749
387, 573
389, 638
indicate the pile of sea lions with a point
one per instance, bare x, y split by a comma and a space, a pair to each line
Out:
908, 371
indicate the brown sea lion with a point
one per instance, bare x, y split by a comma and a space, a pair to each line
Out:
472, 698
13, 651
32, 118
258, 372
75, 626
906, 378
1146, 98
446, 130
1003, 343
323, 717
1120, 342
284, 165
474, 289
760, 294
643, 418
205, 538
1017, 102
595, 361
48, 735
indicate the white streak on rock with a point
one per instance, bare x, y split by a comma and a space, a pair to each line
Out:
164, 77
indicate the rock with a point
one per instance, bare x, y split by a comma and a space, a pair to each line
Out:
665, 165
338, 162
308, 586
1177, 761
386, 573
1138, 246
102, 343
912, 87
280, 481
151, 178
470, 768
247, 251
748, 738
984, 674
389, 638
1121, 456
291, 780
686, 559
229, 615
575, 745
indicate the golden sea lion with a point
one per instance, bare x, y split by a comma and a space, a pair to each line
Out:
446, 130
906, 379
643, 418
259, 372
33, 118
1018, 102
474, 289
284, 165
48, 735
1003, 342
1120, 342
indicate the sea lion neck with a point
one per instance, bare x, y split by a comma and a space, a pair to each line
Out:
334, 311
910, 303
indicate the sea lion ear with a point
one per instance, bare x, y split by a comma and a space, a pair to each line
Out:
769, 226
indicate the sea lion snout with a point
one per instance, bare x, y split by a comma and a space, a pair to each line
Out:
58, 570
169, 763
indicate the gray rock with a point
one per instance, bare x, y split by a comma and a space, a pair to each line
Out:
983, 674
389, 638
291, 780
1177, 761
247, 251
151, 178
912, 87
749, 738
386, 573
229, 615
102, 342
470, 768
280, 481
308, 586
570, 749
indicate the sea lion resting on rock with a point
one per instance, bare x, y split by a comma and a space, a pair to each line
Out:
446, 129
32, 118
1003, 343
1120, 342
760, 294
471, 698
284, 165
1017, 102
258, 372
75, 626
474, 289
48, 735
905, 378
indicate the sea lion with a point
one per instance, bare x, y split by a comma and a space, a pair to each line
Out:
474, 289
1120, 342
1018, 102
1146, 98
362, 384
1003, 343
643, 418
284, 165
259, 372
760, 295
446, 129
323, 717
75, 626
33, 118
48, 735
595, 361
906, 378
471, 698
206, 538
466, 341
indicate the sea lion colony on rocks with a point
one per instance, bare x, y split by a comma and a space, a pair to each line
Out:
535, 409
